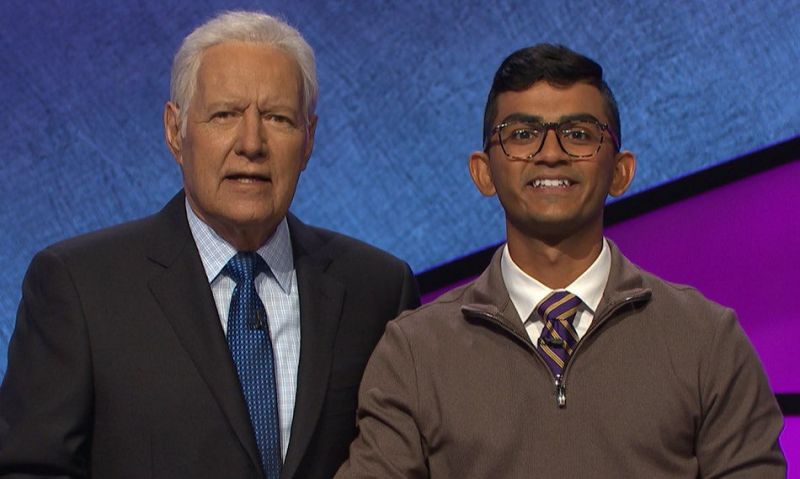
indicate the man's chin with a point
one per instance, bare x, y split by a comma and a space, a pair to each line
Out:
246, 228
552, 228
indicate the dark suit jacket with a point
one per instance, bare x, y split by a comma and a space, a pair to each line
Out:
118, 366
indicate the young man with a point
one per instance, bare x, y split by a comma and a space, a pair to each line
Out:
562, 359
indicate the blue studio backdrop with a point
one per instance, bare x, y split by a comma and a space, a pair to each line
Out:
402, 91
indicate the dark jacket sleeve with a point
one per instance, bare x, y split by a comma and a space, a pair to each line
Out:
741, 421
409, 294
46, 395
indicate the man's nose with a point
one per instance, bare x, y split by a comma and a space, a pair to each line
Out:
551, 151
252, 136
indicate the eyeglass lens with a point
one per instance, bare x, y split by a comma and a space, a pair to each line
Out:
577, 138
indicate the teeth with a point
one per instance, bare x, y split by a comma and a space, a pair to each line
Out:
246, 179
547, 183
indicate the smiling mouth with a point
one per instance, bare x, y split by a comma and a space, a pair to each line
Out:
551, 183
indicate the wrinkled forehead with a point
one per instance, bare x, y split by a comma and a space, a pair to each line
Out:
248, 68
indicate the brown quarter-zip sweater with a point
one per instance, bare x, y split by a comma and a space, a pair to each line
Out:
664, 384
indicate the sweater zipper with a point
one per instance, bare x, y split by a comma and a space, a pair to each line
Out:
561, 391
559, 380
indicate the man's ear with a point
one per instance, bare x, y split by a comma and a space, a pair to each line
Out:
311, 130
624, 170
481, 173
172, 130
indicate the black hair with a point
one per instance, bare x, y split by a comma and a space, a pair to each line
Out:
556, 65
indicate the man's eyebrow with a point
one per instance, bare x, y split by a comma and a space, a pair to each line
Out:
579, 117
529, 118
221, 105
523, 117
226, 103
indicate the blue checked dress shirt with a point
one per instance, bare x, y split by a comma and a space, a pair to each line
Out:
277, 291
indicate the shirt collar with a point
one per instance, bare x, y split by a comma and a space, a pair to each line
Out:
215, 252
526, 292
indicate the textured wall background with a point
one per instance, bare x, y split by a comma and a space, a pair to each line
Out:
402, 91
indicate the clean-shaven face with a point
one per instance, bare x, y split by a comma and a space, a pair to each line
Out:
553, 194
246, 141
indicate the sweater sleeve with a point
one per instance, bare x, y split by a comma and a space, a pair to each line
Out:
389, 443
741, 421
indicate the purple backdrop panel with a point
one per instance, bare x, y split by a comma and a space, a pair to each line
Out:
740, 245
428, 297
790, 442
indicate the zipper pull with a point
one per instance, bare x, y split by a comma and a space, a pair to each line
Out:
561, 392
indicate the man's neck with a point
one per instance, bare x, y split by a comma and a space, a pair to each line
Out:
555, 264
243, 237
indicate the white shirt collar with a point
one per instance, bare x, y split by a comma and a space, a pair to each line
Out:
215, 252
526, 292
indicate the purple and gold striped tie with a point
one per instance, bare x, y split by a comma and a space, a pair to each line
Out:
558, 337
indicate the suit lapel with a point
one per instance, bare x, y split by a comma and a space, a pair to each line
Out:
321, 299
184, 295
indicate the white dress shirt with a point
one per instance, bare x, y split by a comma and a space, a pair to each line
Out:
278, 292
526, 292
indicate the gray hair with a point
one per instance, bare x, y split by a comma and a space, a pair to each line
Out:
242, 26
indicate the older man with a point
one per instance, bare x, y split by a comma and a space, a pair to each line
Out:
563, 359
220, 337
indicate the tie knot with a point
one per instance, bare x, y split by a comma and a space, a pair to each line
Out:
559, 305
245, 266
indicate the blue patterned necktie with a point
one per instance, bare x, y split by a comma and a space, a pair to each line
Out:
558, 338
251, 348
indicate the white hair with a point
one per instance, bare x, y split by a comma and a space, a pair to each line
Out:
242, 26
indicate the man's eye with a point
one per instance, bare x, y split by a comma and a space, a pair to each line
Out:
523, 134
222, 115
278, 118
576, 134
279, 121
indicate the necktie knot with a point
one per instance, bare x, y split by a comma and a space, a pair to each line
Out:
244, 267
559, 306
